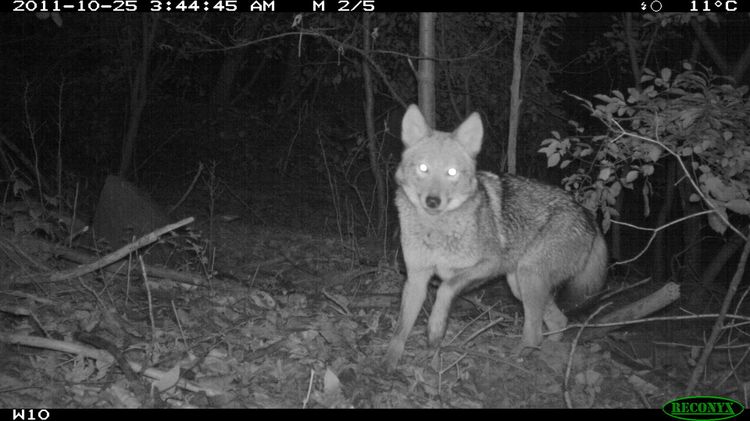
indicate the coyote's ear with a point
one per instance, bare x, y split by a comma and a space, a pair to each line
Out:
413, 126
469, 134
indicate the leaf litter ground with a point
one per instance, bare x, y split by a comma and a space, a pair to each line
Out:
295, 317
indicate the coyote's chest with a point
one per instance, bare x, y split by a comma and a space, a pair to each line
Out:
444, 243
447, 250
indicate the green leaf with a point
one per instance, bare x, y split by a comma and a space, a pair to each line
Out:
615, 189
740, 206
632, 175
718, 189
666, 73
716, 223
553, 159
604, 174
654, 153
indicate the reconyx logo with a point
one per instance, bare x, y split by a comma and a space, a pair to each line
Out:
703, 408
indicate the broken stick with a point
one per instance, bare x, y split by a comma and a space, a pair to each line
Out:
116, 255
652, 303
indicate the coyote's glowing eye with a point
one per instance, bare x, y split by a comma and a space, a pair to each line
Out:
452, 172
422, 167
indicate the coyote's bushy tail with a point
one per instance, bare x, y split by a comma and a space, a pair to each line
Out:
590, 279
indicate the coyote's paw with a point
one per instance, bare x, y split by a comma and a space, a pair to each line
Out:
395, 349
435, 334
436, 327
522, 350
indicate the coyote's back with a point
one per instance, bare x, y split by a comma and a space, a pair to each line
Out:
464, 226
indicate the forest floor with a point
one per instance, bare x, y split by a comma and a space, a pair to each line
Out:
297, 314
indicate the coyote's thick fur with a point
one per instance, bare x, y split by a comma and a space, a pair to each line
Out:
464, 226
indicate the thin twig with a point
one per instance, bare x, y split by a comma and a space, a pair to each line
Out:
611, 294
344, 309
717, 328
478, 332
573, 345
150, 302
655, 232
179, 324
72, 234
443, 370
309, 389
189, 189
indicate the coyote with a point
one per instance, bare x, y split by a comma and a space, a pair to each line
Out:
465, 226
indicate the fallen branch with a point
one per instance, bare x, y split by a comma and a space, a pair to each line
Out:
116, 255
637, 310
28, 296
15, 310
99, 355
157, 272
54, 344
594, 301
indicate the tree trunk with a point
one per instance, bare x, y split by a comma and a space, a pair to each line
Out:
691, 229
740, 68
695, 51
515, 96
370, 124
635, 67
233, 60
254, 78
426, 82
659, 274
290, 81
708, 44
138, 94
729, 249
